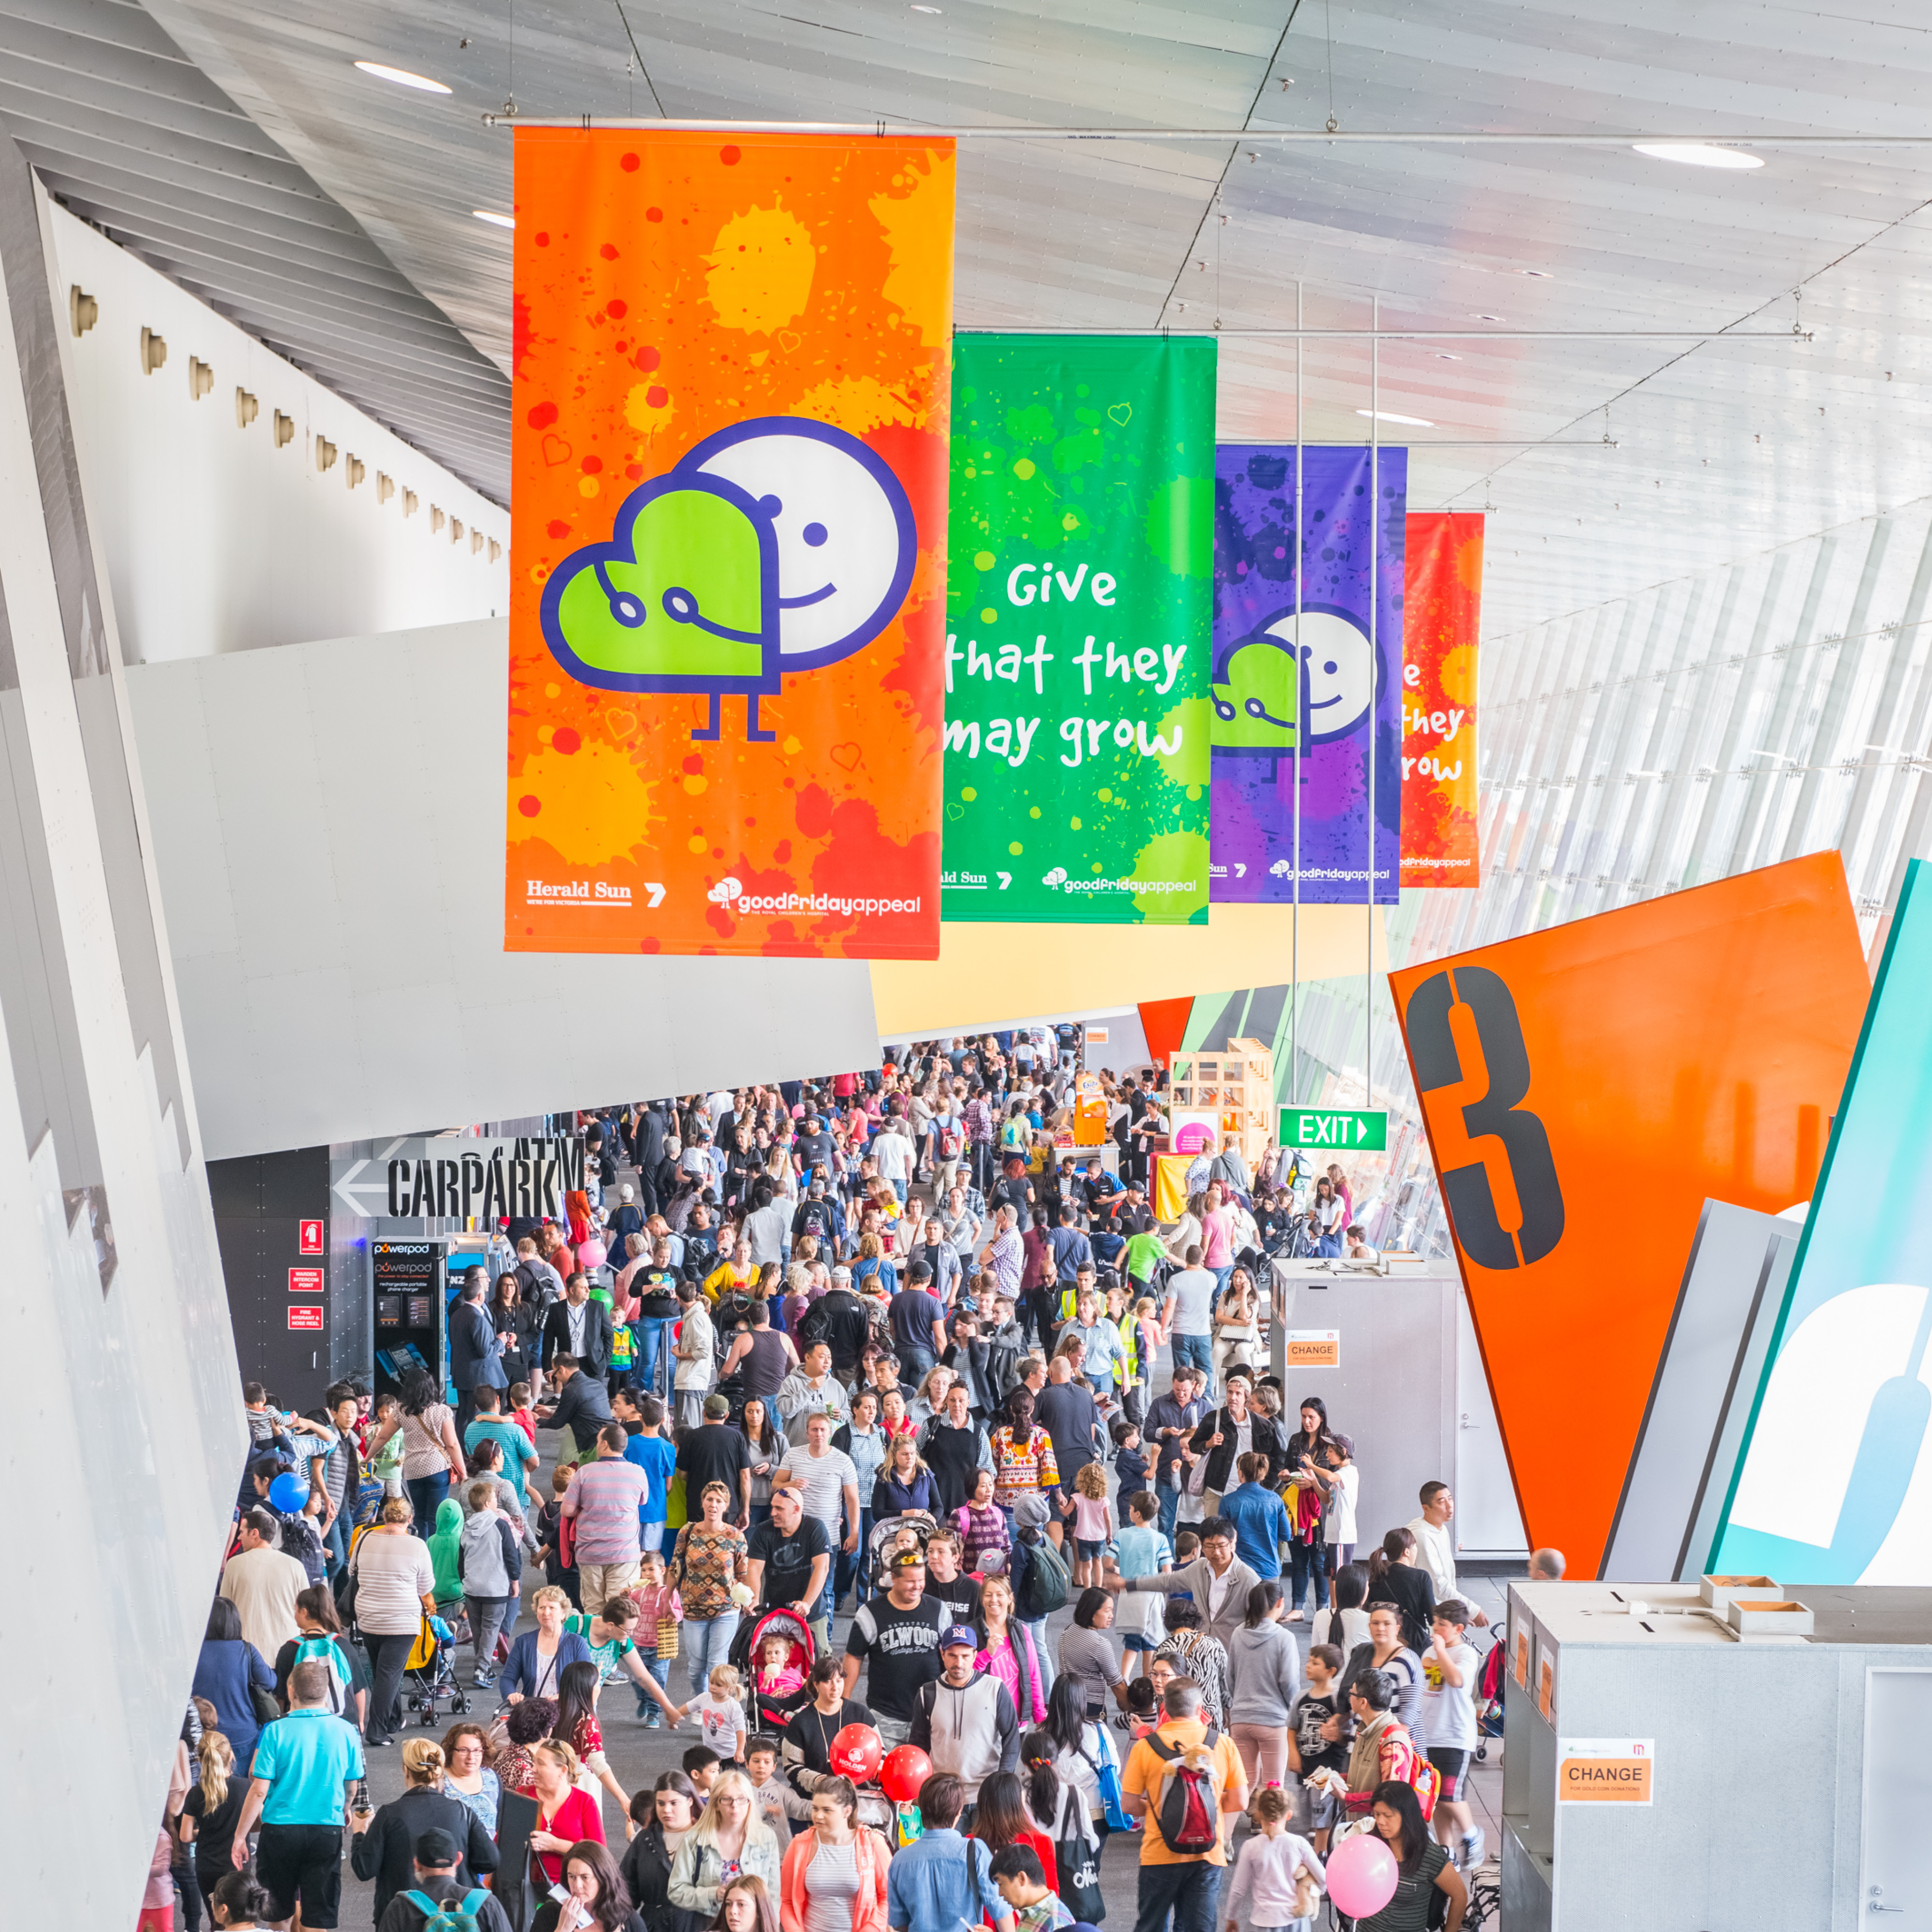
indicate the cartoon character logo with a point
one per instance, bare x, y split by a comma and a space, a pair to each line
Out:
778, 544
727, 889
1057, 877
1271, 683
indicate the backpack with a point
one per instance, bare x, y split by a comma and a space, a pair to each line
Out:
623, 1345
1189, 1819
814, 1325
322, 1650
463, 1915
1043, 1589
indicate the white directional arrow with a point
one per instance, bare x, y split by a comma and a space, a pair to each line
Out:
1361, 1132
1006, 880
351, 1190
656, 892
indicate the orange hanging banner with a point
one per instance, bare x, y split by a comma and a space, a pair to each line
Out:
731, 379
1442, 595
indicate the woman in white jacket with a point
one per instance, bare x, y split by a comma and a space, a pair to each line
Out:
1264, 1677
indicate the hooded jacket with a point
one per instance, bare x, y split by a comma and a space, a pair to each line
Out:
487, 1558
1264, 1674
971, 1731
443, 1543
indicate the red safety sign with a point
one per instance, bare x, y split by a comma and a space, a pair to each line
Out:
308, 1238
305, 1315
305, 1281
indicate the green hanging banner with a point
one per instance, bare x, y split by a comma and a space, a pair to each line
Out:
1079, 620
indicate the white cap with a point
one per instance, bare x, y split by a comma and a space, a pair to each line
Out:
624, 1192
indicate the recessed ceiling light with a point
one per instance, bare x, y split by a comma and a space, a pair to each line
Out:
495, 219
1486, 318
402, 76
1535, 274
1698, 154
1443, 355
1389, 415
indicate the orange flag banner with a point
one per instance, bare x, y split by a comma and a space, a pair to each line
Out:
1442, 596
732, 377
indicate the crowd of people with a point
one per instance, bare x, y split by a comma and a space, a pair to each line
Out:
881, 1343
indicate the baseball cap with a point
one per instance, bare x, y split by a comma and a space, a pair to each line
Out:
436, 1847
955, 1634
716, 1407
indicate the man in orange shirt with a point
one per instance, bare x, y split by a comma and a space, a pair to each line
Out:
1186, 1881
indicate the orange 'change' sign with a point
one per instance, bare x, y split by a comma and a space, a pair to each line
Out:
731, 374
1442, 597
1312, 1348
1604, 1771
1585, 1090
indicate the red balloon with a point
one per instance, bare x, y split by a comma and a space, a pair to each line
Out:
855, 1753
904, 1770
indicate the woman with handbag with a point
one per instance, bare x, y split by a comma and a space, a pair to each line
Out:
1236, 1325
1074, 1868
730, 1832
230, 1674
833, 1876
431, 1454
395, 1587
510, 1315
649, 1858
706, 1561
381, 1843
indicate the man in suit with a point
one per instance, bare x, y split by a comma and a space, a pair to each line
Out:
475, 1350
583, 1406
579, 1327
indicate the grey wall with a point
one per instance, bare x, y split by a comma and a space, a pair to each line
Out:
125, 1428
1395, 1390
328, 827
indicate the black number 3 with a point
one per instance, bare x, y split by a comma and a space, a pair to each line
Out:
1472, 1206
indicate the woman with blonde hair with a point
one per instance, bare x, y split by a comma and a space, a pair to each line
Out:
565, 1816
211, 1809
904, 1483
381, 1843
834, 1875
871, 1273
1006, 1651
729, 1830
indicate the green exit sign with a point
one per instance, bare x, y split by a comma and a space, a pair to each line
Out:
1361, 1132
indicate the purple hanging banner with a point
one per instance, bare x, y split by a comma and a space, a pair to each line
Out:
1269, 684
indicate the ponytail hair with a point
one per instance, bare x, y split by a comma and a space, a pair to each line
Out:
217, 1758
1037, 1753
1396, 1545
1262, 1598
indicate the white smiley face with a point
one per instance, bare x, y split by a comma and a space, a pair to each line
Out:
846, 538
1339, 674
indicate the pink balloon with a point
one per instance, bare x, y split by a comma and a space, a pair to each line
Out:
1361, 1875
590, 1254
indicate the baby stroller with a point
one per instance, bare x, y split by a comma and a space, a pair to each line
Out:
774, 1695
886, 1537
1490, 1700
431, 1673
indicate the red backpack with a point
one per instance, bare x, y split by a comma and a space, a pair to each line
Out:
1189, 1819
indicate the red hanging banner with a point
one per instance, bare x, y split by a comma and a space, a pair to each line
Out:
1442, 611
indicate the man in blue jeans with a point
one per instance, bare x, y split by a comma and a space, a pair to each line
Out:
1172, 1419
1187, 1884
1188, 1316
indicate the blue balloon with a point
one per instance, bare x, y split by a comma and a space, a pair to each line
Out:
288, 1492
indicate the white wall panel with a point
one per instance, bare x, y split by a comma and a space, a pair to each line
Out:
216, 539
327, 821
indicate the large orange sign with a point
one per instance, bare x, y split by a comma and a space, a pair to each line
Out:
732, 381
1585, 1089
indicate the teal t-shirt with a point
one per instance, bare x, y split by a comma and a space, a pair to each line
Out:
605, 1655
307, 1757
516, 1446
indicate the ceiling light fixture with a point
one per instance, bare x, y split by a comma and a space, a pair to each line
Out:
1698, 154
1389, 415
1443, 355
402, 76
918, 9
1536, 274
495, 219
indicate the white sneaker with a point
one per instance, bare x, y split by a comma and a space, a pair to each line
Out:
1473, 1847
